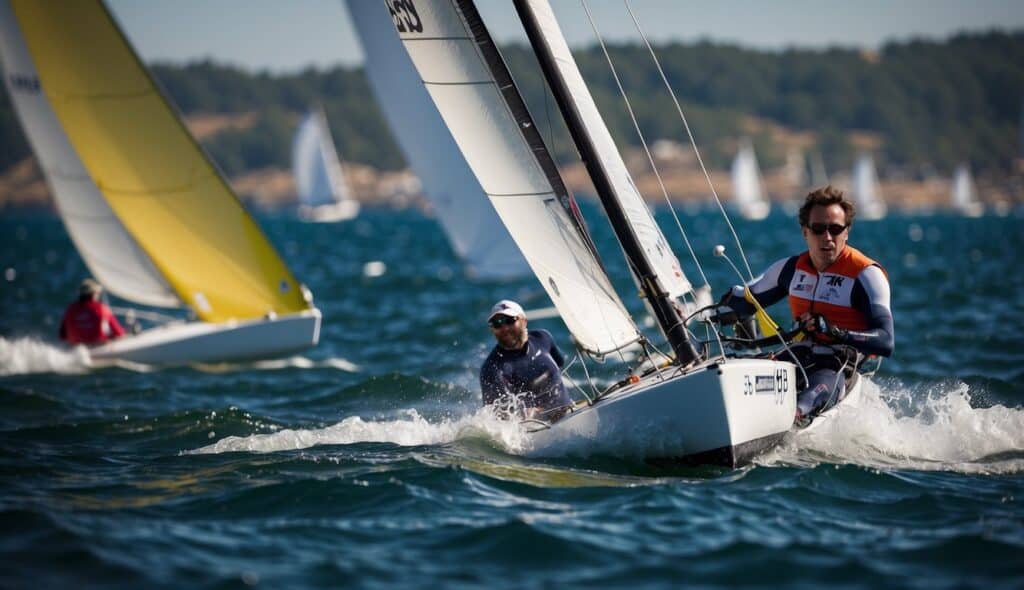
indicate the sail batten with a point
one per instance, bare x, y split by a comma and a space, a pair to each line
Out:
493, 129
147, 168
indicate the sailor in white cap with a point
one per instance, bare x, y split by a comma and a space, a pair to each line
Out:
522, 375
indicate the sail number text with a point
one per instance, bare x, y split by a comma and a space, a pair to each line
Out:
403, 12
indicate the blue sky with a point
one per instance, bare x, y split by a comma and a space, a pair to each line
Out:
288, 35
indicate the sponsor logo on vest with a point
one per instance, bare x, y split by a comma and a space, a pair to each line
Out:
835, 281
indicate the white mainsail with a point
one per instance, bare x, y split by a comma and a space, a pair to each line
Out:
866, 193
655, 248
475, 95
965, 196
473, 228
748, 196
318, 176
108, 250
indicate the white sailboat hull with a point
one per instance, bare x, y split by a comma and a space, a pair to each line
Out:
202, 342
340, 211
723, 413
755, 211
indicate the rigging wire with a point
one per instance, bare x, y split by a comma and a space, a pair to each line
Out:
643, 142
689, 133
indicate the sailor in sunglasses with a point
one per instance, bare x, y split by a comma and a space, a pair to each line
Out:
838, 295
522, 375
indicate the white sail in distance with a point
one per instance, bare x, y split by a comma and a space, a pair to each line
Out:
655, 247
467, 217
748, 197
112, 255
965, 196
866, 193
318, 176
467, 79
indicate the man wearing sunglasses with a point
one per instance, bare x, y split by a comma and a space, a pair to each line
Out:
839, 296
522, 376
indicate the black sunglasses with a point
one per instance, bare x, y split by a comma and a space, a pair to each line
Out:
819, 229
501, 320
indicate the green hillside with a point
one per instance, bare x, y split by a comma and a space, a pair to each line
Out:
931, 105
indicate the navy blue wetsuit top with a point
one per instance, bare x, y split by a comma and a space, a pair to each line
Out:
531, 374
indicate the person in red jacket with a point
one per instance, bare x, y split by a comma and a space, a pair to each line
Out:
88, 321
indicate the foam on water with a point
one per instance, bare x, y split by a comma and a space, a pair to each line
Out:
22, 356
892, 426
923, 428
410, 429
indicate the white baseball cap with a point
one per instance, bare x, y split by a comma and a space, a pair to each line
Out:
506, 307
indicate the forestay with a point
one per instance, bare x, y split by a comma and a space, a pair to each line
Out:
467, 79
149, 170
473, 228
318, 176
111, 254
655, 248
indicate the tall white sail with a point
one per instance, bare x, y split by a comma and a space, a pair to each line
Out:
866, 193
473, 228
965, 196
318, 177
110, 252
655, 248
748, 197
467, 79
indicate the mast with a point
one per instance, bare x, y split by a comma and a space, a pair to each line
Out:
658, 298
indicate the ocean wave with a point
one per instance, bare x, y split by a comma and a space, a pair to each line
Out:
925, 427
22, 356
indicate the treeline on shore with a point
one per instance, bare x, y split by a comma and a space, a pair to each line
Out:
921, 105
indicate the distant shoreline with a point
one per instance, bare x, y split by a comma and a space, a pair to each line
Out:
22, 186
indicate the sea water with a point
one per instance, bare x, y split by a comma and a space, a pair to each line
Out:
368, 462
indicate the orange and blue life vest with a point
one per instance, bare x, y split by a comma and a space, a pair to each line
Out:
831, 293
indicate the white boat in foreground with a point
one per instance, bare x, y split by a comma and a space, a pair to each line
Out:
152, 218
698, 407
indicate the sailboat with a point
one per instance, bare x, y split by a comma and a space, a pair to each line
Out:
324, 196
697, 407
965, 196
152, 218
470, 223
866, 194
748, 196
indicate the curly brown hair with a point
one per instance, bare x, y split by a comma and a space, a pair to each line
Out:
826, 196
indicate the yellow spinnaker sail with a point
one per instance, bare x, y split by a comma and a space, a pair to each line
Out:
150, 169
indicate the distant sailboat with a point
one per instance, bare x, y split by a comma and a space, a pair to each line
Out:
152, 218
965, 195
324, 195
470, 222
866, 194
748, 196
